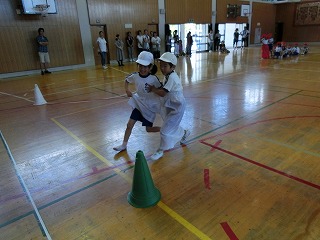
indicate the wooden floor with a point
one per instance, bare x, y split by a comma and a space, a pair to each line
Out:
250, 170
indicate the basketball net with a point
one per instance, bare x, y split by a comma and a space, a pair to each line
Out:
42, 9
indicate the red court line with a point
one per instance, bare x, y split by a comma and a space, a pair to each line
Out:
206, 178
265, 166
228, 230
216, 145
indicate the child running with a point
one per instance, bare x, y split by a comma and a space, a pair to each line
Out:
145, 105
172, 106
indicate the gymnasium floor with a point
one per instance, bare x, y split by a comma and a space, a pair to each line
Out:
250, 169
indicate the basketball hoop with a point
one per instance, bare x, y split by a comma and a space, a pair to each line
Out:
42, 9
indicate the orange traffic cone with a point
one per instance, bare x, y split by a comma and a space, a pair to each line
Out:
143, 194
38, 98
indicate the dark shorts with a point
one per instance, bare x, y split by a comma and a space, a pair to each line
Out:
136, 115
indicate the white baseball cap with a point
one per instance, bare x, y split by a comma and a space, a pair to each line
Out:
145, 58
169, 58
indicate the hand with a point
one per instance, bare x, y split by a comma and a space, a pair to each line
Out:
129, 94
148, 87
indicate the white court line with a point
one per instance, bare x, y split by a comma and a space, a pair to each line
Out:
25, 187
11, 95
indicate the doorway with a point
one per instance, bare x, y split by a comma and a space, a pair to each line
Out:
278, 32
199, 34
227, 30
95, 29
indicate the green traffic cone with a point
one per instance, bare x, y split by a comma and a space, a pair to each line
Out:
143, 194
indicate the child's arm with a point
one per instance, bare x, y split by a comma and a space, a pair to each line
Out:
126, 87
159, 91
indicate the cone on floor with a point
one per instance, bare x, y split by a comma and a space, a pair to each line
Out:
38, 98
143, 194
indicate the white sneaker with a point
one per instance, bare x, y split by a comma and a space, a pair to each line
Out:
158, 154
185, 136
120, 148
104, 67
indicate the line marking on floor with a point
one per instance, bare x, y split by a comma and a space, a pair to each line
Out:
42, 225
160, 204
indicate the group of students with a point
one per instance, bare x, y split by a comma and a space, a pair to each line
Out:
149, 42
281, 50
145, 42
153, 97
178, 44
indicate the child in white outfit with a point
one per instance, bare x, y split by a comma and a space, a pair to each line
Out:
173, 105
145, 105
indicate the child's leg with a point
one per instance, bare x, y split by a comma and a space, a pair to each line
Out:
126, 137
153, 129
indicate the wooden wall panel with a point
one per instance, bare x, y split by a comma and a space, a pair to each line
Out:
116, 13
294, 33
18, 33
179, 12
221, 15
264, 14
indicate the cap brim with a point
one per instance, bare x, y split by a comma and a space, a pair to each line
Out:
143, 62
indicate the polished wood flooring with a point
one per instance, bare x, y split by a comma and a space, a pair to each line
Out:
250, 170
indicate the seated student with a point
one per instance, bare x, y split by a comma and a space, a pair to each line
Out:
289, 50
222, 47
284, 50
278, 51
295, 50
305, 49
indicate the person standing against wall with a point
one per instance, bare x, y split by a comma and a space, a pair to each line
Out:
211, 40
236, 38
189, 44
119, 50
168, 41
140, 41
217, 37
130, 41
245, 36
43, 51
102, 49
155, 46
146, 41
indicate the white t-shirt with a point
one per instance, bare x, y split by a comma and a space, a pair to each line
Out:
173, 83
102, 44
147, 103
156, 43
140, 41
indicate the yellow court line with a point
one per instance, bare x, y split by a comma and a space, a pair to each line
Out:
160, 204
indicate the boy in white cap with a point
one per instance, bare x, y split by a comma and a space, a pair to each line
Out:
172, 106
145, 105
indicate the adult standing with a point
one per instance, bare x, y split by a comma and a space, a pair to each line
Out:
211, 40
168, 41
119, 50
235, 38
102, 49
139, 41
130, 41
43, 51
155, 46
146, 41
189, 44
245, 36
217, 37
